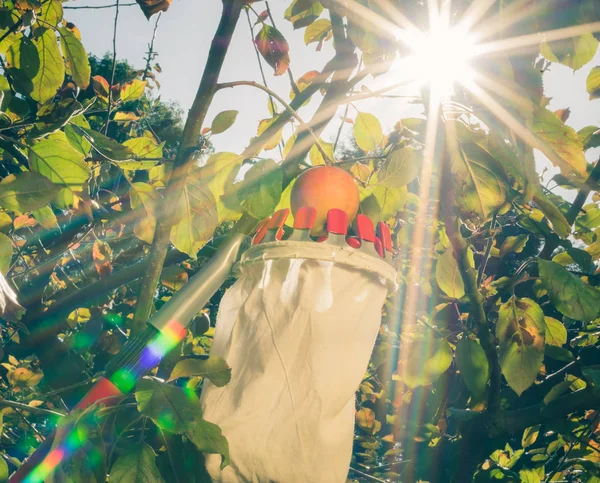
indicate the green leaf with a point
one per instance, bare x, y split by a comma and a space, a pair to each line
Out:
381, 203
556, 332
223, 121
26, 191
315, 156
262, 189
144, 197
317, 31
367, 132
59, 162
482, 186
195, 215
573, 52
136, 465
568, 293
589, 137
565, 148
513, 244
592, 374
218, 174
473, 365
448, 275
592, 83
133, 90
558, 353
178, 411
426, 362
106, 146
530, 435
6, 252
520, 331
46, 217
78, 64
75, 137
302, 13
401, 166
3, 471
214, 368
51, 72
559, 223
529, 476
274, 48
52, 12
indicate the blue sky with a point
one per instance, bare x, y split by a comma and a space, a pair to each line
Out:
183, 41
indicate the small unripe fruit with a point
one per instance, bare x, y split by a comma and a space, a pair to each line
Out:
325, 188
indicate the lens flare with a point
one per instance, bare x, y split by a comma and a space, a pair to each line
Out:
440, 57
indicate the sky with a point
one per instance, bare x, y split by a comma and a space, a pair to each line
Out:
183, 40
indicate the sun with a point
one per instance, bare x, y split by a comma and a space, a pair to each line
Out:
440, 57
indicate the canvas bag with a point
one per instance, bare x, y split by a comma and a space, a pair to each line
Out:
297, 328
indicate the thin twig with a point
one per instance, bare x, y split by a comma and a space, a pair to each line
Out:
262, 71
31, 409
294, 114
337, 137
98, 7
151, 53
488, 250
114, 67
365, 475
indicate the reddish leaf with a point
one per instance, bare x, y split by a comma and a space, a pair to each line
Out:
102, 255
100, 85
150, 7
23, 221
274, 48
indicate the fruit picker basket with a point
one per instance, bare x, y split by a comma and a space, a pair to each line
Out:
298, 328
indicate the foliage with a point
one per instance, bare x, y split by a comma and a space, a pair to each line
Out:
488, 359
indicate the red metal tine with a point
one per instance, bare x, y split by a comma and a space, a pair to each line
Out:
366, 232
337, 227
337, 222
304, 219
364, 228
379, 247
383, 232
261, 231
275, 226
353, 242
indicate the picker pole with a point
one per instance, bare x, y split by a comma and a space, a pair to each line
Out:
143, 352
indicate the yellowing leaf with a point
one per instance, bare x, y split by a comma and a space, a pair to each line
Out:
195, 214
448, 275
556, 332
6, 252
565, 149
513, 244
574, 52
315, 156
592, 83
275, 139
367, 131
318, 31
144, 197
133, 90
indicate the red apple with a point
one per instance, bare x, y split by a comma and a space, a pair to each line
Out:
325, 188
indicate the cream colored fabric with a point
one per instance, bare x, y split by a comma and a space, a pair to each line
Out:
297, 329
